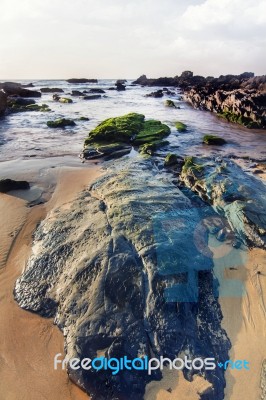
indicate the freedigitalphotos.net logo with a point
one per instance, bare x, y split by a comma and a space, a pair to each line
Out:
189, 241
116, 365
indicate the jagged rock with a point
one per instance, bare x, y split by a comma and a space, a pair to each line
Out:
51, 90
6, 185
81, 80
231, 192
12, 88
77, 93
97, 268
3, 103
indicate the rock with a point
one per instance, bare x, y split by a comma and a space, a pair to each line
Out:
83, 119
157, 94
51, 90
180, 126
231, 192
130, 129
237, 98
97, 269
20, 104
60, 123
92, 97
6, 185
3, 103
144, 81
82, 80
65, 100
120, 87
96, 90
28, 85
215, 140
77, 93
186, 75
121, 81
11, 88
170, 160
169, 103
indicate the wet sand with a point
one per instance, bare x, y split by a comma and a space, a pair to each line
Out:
28, 342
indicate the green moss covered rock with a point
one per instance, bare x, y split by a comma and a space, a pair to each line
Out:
180, 126
211, 139
65, 100
130, 129
239, 119
169, 103
190, 163
60, 123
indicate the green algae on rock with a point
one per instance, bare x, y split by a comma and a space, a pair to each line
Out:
169, 103
212, 139
130, 129
65, 100
239, 119
190, 164
60, 123
180, 126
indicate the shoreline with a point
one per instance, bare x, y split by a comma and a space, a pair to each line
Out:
28, 341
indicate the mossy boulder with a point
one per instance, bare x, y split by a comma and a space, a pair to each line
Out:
180, 126
130, 129
170, 160
20, 105
60, 123
169, 103
83, 119
215, 140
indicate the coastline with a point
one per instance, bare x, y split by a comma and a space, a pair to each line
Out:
28, 341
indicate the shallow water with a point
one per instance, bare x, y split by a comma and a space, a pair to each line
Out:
25, 134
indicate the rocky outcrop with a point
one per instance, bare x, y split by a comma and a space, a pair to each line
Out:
11, 88
240, 99
3, 102
81, 80
231, 192
108, 269
144, 81
6, 185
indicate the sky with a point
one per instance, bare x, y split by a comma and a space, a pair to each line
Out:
56, 39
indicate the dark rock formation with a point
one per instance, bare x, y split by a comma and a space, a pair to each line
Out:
95, 90
212, 139
20, 104
240, 99
77, 93
120, 87
51, 90
81, 80
108, 268
144, 81
239, 197
6, 185
11, 88
3, 103
157, 94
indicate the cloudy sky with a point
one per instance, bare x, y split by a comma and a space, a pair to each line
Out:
126, 38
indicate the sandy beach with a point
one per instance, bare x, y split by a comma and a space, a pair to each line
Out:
28, 342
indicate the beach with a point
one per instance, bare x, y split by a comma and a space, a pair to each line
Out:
28, 342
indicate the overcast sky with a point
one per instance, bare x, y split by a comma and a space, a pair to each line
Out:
126, 38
